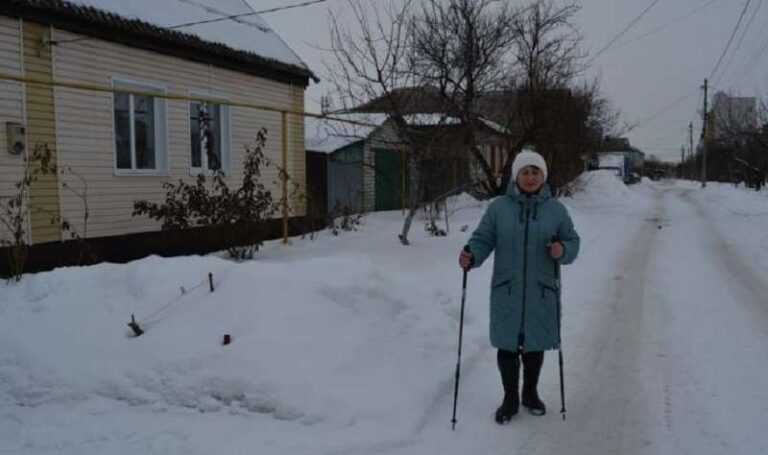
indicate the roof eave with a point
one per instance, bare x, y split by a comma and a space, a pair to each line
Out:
138, 34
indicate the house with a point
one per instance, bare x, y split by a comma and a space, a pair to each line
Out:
116, 90
335, 166
619, 155
628, 164
367, 161
731, 116
440, 135
361, 156
615, 160
551, 121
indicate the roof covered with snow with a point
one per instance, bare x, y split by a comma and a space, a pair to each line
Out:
612, 159
246, 40
330, 134
327, 135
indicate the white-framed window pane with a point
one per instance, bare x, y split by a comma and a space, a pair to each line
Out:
122, 130
140, 130
206, 119
144, 127
194, 129
213, 154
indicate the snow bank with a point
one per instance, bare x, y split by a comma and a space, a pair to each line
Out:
603, 184
604, 190
351, 336
301, 332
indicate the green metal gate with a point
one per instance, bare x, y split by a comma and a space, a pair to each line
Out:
389, 179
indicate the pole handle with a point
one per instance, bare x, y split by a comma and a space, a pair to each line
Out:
466, 250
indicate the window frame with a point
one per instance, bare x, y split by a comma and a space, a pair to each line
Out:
225, 128
160, 109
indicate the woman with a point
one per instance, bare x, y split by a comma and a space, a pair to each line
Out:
531, 234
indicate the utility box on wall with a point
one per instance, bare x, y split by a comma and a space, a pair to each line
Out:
16, 135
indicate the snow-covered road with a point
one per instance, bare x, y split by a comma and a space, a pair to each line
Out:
347, 345
673, 361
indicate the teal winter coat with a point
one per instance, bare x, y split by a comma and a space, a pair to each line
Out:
524, 286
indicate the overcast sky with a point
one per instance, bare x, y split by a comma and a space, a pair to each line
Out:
654, 80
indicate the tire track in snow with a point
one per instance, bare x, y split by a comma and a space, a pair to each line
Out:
715, 318
605, 406
601, 386
744, 280
443, 393
614, 405
601, 393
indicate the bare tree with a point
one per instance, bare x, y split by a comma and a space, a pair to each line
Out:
548, 57
510, 65
462, 47
548, 45
375, 62
738, 140
517, 67
370, 54
469, 62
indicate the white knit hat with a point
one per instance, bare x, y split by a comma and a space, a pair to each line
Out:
529, 158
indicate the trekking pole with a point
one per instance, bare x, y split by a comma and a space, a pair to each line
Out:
562, 384
461, 332
559, 335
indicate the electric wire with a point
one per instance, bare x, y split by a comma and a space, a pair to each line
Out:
623, 31
730, 40
738, 43
238, 16
664, 26
667, 107
232, 17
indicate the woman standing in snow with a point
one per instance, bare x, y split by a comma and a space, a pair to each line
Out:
531, 234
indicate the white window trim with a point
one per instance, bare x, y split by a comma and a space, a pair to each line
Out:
226, 136
162, 154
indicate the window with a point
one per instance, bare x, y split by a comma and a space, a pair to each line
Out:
139, 130
209, 136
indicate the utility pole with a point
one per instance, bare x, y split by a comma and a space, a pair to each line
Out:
682, 161
690, 141
704, 138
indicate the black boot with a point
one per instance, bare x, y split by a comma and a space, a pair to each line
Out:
509, 367
532, 362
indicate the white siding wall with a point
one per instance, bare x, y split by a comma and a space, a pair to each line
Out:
11, 107
85, 126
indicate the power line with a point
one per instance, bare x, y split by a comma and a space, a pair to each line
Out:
667, 24
218, 19
624, 31
643, 121
741, 39
754, 61
238, 16
730, 40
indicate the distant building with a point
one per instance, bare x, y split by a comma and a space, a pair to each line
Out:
617, 161
731, 115
618, 154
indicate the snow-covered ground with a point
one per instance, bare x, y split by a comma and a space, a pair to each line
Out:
347, 345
